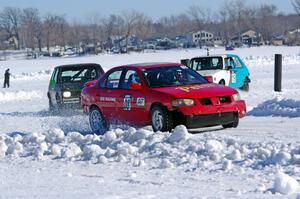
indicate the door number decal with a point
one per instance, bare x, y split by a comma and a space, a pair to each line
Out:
233, 77
127, 103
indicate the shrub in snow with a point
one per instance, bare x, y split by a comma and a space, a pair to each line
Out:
285, 184
73, 150
55, 136
179, 133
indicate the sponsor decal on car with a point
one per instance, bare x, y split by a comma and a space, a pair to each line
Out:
108, 99
188, 88
140, 101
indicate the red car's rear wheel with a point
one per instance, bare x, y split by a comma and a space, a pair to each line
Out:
97, 121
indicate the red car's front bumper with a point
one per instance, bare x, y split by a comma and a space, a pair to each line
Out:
214, 108
212, 114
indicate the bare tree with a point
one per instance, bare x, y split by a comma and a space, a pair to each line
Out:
109, 26
201, 18
9, 22
49, 27
130, 19
296, 5
32, 28
61, 32
266, 22
143, 28
95, 31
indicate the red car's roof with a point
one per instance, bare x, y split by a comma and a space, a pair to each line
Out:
151, 65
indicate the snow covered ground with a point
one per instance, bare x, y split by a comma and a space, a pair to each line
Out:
48, 156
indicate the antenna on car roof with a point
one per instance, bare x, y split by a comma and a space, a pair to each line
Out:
207, 49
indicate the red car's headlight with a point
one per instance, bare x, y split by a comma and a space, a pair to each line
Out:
236, 97
183, 102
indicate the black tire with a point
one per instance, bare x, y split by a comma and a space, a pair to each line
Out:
97, 121
222, 82
233, 124
51, 107
246, 85
161, 119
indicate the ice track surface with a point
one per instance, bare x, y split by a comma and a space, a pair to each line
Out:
51, 156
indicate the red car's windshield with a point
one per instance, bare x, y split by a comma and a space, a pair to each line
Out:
172, 76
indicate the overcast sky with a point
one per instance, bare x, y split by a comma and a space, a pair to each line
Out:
81, 9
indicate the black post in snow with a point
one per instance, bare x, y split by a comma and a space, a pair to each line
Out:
278, 73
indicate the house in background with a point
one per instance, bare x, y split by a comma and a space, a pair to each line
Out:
278, 40
249, 38
292, 37
203, 38
184, 41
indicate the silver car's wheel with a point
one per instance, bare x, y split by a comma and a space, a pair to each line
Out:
97, 121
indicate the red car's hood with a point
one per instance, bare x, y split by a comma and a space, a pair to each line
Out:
197, 91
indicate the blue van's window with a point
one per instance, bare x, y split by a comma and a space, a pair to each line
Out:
237, 62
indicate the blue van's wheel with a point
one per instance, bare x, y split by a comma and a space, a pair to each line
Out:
222, 82
246, 85
97, 121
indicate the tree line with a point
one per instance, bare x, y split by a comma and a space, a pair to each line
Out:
27, 28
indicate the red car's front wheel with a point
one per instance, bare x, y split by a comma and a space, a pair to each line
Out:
161, 119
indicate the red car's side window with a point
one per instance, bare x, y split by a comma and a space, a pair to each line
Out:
131, 77
112, 80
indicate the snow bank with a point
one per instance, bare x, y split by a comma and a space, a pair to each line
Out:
139, 147
263, 60
43, 74
277, 107
6, 96
285, 184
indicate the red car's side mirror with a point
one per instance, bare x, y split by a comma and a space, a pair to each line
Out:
90, 83
135, 86
209, 79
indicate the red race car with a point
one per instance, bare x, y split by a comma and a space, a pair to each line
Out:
161, 94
